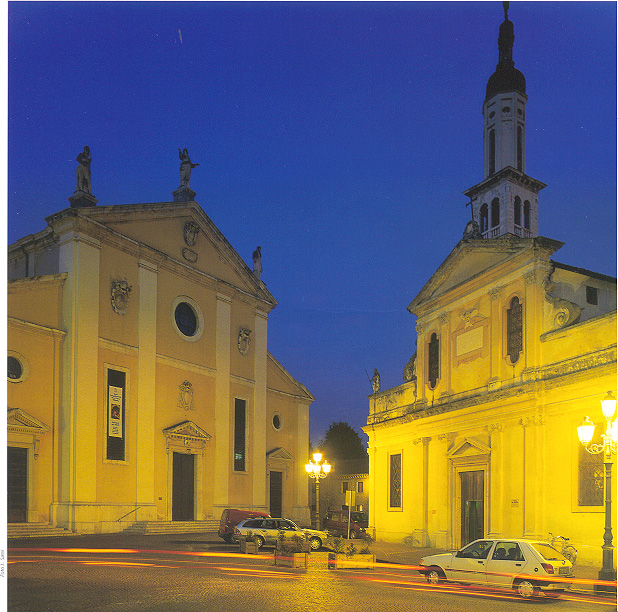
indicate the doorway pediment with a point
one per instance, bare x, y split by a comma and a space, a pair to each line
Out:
468, 447
18, 420
279, 453
188, 434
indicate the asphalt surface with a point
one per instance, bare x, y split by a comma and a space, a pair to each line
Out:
385, 552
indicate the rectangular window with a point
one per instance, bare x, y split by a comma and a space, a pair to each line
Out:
591, 476
592, 295
395, 481
115, 406
240, 432
344, 486
359, 487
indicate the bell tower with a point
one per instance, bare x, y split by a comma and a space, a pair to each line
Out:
506, 201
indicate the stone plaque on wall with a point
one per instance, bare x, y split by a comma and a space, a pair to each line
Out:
469, 341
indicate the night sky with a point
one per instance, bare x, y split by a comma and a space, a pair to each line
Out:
337, 136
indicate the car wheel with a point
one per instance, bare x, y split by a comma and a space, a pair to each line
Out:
435, 575
526, 588
353, 535
259, 540
315, 543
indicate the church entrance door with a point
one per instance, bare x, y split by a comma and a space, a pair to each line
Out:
183, 487
472, 506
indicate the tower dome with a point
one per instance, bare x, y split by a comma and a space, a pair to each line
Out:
506, 77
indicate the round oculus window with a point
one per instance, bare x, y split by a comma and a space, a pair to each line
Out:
14, 368
187, 318
277, 424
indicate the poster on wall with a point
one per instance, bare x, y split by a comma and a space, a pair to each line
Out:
115, 412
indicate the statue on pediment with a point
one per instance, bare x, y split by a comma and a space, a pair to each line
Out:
185, 167
83, 171
257, 262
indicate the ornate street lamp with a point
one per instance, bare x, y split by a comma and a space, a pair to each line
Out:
585, 432
317, 469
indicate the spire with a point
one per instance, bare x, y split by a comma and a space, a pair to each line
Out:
506, 37
506, 77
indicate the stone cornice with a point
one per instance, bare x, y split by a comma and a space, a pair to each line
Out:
509, 173
550, 376
35, 327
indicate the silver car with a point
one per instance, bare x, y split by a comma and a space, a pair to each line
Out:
526, 566
266, 531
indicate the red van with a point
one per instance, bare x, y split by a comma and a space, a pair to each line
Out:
231, 517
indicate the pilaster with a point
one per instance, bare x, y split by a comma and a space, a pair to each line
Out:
146, 376
79, 258
259, 410
222, 402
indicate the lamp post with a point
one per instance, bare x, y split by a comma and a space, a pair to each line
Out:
317, 469
585, 432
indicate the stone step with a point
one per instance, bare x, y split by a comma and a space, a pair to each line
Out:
34, 530
158, 527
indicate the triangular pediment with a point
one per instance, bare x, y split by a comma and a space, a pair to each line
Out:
183, 232
474, 257
20, 421
279, 453
468, 447
187, 430
281, 381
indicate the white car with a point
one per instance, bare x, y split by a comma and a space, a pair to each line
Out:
526, 566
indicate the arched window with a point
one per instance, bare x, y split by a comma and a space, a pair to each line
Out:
517, 211
433, 361
520, 149
492, 151
527, 215
514, 330
484, 218
495, 212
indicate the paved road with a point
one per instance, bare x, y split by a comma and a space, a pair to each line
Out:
108, 580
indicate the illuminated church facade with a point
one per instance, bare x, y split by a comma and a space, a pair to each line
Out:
140, 385
513, 350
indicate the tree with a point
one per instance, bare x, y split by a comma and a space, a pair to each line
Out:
342, 442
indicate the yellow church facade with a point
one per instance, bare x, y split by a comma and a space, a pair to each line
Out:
514, 349
482, 441
140, 385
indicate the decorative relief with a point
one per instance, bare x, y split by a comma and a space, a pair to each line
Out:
530, 277
189, 255
244, 340
494, 293
467, 316
419, 328
120, 296
191, 230
409, 371
444, 318
535, 419
185, 396
494, 427
567, 312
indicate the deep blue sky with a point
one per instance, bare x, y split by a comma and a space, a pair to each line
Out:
338, 136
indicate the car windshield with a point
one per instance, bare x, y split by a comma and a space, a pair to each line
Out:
549, 553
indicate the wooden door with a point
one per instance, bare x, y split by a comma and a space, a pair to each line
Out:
472, 506
276, 493
183, 487
17, 485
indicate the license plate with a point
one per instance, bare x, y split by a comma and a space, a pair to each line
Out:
564, 571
